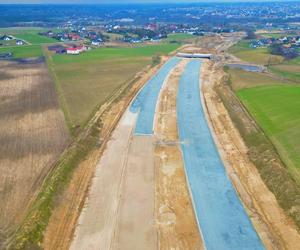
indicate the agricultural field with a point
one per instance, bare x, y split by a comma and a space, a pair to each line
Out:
272, 101
180, 38
85, 81
29, 35
35, 38
241, 79
286, 69
261, 56
25, 51
33, 133
113, 36
289, 69
276, 109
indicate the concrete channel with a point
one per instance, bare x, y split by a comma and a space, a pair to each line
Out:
222, 219
146, 100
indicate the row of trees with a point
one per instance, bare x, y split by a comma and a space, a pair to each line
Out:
287, 53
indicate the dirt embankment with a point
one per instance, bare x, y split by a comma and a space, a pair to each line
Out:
64, 217
32, 135
276, 230
175, 219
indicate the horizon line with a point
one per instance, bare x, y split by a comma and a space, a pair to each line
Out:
154, 2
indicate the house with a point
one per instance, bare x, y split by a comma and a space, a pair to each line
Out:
19, 42
73, 51
7, 55
74, 37
57, 48
76, 50
6, 38
96, 42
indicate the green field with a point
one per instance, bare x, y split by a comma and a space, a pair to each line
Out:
24, 51
87, 80
288, 69
277, 35
21, 30
180, 37
261, 56
276, 109
35, 38
241, 79
121, 52
29, 35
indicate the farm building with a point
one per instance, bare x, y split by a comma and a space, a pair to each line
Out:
19, 42
96, 42
6, 38
76, 50
58, 49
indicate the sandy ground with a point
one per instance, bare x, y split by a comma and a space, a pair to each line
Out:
61, 227
144, 200
275, 229
135, 228
32, 135
97, 221
175, 219
121, 214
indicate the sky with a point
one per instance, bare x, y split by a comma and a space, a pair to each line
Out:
127, 1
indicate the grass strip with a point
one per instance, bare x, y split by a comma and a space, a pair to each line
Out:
263, 155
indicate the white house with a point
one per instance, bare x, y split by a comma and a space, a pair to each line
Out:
76, 50
96, 43
19, 42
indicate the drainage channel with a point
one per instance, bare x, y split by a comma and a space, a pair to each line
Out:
222, 219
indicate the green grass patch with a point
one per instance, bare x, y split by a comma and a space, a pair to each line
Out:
261, 56
277, 35
240, 79
264, 156
101, 54
35, 38
21, 30
180, 37
288, 69
276, 109
87, 80
24, 51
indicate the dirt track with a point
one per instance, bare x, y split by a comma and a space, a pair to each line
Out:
32, 135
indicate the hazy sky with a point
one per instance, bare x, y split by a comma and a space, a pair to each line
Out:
126, 1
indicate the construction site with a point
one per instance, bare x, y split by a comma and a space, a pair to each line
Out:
171, 171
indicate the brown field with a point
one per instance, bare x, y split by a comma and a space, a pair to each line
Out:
63, 221
240, 79
32, 134
86, 86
